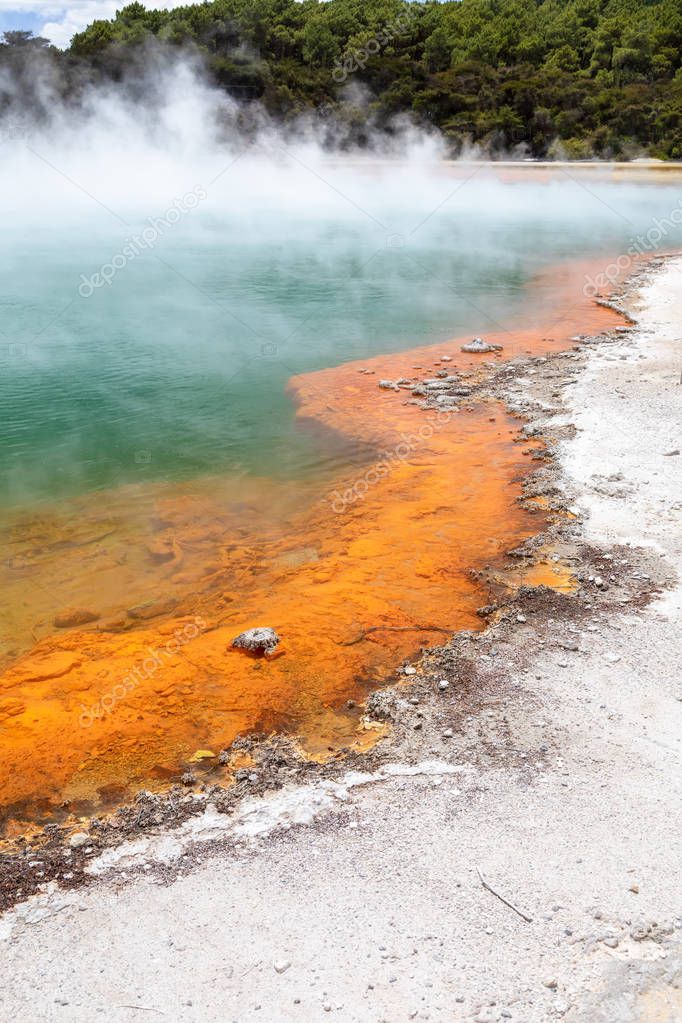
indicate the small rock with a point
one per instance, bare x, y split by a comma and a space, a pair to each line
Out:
409, 670
152, 609
521, 619
73, 616
611, 942
161, 550
550, 983
78, 840
634, 888
281, 965
479, 346
188, 778
448, 733
443, 685
261, 640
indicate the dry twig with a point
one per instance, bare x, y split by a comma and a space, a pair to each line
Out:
519, 912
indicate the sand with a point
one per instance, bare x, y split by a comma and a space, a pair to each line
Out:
357, 896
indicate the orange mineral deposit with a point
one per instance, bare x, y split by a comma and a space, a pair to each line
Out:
354, 574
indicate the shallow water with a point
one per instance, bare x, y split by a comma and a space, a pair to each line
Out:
177, 454
178, 366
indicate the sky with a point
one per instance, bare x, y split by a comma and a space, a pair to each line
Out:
59, 21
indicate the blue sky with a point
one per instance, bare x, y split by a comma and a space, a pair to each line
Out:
20, 19
58, 20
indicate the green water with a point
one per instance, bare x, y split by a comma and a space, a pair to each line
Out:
178, 367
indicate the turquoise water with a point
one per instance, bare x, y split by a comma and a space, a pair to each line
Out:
178, 367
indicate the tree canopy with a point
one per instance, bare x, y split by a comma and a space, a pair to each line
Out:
547, 77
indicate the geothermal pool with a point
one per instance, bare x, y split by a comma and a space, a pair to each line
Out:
181, 411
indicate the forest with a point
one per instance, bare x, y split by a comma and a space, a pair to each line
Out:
569, 79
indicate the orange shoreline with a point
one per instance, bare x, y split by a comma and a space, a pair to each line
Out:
90, 714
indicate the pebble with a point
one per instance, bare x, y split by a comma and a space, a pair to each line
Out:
409, 670
448, 733
78, 840
281, 965
551, 983
443, 684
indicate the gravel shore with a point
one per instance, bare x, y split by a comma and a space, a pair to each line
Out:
541, 756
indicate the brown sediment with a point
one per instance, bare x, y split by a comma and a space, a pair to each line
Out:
354, 579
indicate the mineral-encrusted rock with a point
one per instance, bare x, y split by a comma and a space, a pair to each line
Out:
261, 640
480, 347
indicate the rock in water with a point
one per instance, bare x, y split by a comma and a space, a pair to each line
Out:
261, 640
479, 346
152, 609
73, 616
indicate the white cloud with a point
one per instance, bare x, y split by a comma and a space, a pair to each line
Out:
74, 19
62, 21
